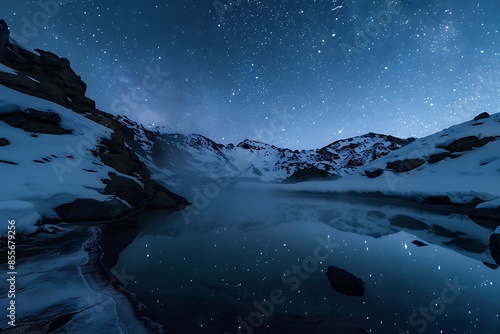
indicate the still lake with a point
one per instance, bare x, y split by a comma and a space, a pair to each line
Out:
251, 262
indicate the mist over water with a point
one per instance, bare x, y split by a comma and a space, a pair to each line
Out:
255, 262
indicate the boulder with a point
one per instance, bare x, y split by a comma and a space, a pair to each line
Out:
482, 115
344, 282
374, 173
401, 166
434, 158
467, 143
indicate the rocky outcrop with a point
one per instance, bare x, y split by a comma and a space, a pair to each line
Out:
35, 121
43, 75
482, 115
374, 173
435, 158
310, 173
344, 282
467, 144
401, 166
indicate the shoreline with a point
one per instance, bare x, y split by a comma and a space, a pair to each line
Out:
83, 294
97, 255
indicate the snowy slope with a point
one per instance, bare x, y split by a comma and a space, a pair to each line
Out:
55, 162
44, 169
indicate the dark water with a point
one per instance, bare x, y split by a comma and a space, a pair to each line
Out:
246, 252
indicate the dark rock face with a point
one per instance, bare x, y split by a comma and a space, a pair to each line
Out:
35, 122
43, 116
4, 142
419, 243
308, 174
434, 158
467, 143
482, 115
401, 166
374, 173
54, 79
344, 282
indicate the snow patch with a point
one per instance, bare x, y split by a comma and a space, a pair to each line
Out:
24, 215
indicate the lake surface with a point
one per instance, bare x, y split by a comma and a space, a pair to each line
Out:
251, 262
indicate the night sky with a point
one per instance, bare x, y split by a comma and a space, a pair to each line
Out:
298, 73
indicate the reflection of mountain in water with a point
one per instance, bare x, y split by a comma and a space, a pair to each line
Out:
254, 212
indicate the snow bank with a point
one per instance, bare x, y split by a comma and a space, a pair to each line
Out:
24, 215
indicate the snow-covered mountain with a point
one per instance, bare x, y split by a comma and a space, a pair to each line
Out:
186, 156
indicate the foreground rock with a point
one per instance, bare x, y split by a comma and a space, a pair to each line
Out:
344, 282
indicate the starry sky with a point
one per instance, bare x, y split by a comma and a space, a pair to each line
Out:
296, 73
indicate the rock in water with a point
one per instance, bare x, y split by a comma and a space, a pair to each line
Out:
419, 243
344, 282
